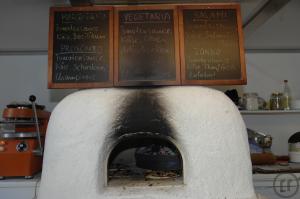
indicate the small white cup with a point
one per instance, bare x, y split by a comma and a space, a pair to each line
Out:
295, 104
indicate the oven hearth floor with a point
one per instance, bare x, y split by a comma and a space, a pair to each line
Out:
134, 182
132, 176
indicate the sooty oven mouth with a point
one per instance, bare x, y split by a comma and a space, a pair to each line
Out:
144, 149
151, 160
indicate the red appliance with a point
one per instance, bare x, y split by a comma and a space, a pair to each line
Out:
21, 139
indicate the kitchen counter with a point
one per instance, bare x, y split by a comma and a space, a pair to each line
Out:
278, 186
19, 188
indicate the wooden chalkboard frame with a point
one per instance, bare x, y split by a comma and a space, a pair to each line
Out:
236, 7
52, 84
117, 82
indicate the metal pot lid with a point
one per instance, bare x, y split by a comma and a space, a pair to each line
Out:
18, 135
24, 105
294, 138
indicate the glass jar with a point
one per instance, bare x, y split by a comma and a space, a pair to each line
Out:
250, 101
275, 101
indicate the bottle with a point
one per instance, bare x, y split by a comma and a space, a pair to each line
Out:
286, 97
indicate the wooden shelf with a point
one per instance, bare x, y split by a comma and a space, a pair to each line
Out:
269, 112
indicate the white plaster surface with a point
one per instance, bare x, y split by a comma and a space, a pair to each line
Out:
209, 128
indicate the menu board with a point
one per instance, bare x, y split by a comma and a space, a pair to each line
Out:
146, 46
103, 46
80, 47
211, 45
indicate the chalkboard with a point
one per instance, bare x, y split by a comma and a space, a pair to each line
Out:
80, 47
211, 45
146, 46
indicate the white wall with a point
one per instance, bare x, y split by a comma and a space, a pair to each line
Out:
23, 75
266, 72
281, 31
24, 24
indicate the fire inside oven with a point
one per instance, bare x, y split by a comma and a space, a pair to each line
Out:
144, 149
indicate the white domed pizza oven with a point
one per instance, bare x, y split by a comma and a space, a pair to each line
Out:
147, 143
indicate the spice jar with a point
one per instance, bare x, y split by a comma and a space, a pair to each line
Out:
275, 101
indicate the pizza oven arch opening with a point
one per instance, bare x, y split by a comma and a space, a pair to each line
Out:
144, 158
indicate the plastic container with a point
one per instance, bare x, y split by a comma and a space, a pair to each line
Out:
250, 101
294, 148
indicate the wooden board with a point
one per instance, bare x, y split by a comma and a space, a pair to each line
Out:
80, 47
146, 47
288, 168
211, 44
